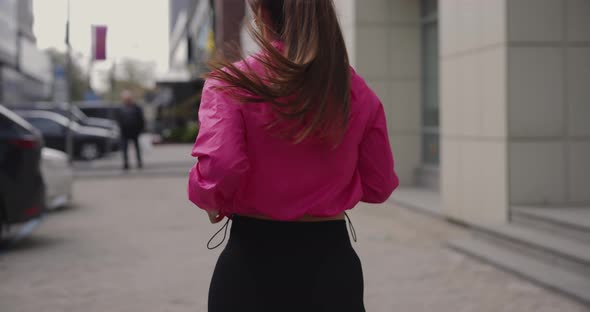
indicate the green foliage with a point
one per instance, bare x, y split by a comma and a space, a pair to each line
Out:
80, 80
132, 75
190, 133
175, 135
186, 134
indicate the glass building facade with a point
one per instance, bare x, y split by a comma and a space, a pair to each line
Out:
25, 71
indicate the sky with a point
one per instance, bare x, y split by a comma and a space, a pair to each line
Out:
137, 29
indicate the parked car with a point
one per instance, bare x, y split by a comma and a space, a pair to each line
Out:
22, 191
89, 143
58, 176
77, 115
99, 109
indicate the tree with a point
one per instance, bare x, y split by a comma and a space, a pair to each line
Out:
133, 75
79, 78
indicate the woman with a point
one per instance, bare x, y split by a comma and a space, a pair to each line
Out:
290, 139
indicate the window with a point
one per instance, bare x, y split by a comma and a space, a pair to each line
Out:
430, 81
47, 127
5, 124
78, 114
9, 127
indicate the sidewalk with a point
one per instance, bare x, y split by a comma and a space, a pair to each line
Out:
137, 244
409, 268
167, 159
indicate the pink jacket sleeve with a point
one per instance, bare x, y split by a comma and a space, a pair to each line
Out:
376, 164
220, 151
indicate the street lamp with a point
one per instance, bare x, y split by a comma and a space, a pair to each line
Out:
69, 134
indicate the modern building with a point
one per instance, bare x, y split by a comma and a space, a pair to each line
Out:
197, 27
190, 45
191, 25
488, 105
176, 8
487, 100
25, 71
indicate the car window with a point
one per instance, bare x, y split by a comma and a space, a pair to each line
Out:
75, 117
46, 126
79, 114
76, 114
97, 113
9, 127
5, 124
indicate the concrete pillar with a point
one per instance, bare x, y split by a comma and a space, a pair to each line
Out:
384, 43
473, 105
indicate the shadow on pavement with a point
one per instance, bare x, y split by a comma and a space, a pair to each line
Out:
29, 243
69, 208
162, 160
160, 170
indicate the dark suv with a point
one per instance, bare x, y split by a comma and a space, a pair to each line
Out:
89, 143
22, 191
100, 109
77, 115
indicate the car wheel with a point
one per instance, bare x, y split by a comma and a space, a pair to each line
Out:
89, 151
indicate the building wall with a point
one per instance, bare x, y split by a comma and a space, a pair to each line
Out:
383, 39
190, 27
8, 33
548, 98
175, 7
514, 106
473, 105
26, 19
25, 71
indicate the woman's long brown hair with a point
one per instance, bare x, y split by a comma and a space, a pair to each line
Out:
307, 80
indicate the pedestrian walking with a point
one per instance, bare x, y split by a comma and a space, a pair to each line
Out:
132, 124
290, 139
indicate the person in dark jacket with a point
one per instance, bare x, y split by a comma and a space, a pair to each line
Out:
132, 124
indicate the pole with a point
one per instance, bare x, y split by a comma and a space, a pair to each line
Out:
113, 81
69, 134
90, 69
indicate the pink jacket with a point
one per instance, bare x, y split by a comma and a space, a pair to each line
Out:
244, 169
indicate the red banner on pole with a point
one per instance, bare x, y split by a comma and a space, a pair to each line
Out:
99, 43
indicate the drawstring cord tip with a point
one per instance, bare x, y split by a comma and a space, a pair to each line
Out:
224, 229
352, 230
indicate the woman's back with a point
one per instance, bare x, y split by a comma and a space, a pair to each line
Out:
253, 171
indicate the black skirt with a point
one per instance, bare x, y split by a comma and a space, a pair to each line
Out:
287, 266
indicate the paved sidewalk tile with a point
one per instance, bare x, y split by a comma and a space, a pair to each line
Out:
134, 245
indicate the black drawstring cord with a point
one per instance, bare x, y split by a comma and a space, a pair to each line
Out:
352, 231
224, 229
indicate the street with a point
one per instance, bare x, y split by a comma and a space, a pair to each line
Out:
134, 243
